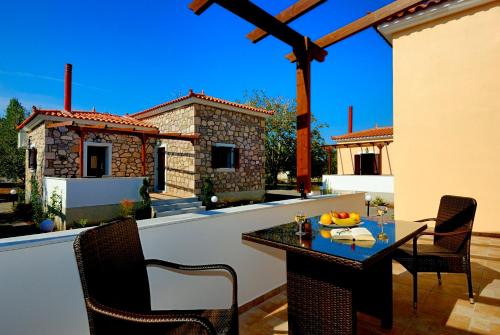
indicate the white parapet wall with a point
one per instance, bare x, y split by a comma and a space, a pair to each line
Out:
95, 199
85, 192
40, 286
361, 183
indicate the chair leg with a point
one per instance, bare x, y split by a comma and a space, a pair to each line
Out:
439, 278
469, 284
415, 293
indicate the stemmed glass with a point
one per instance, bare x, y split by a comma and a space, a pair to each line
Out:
300, 218
381, 211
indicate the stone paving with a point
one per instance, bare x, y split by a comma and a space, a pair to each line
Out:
442, 309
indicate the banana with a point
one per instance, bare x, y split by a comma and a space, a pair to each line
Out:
345, 222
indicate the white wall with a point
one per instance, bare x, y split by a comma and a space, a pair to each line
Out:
82, 192
375, 184
41, 293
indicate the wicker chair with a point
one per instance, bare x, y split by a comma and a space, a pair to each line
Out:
116, 287
450, 251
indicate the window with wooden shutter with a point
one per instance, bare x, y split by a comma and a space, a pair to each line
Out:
32, 158
225, 156
236, 158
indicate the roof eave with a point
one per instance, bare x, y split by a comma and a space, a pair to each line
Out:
195, 100
364, 138
35, 119
447, 8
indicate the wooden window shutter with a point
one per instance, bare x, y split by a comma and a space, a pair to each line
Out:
214, 157
236, 158
32, 158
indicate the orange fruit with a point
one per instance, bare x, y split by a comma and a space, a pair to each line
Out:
355, 216
325, 233
326, 219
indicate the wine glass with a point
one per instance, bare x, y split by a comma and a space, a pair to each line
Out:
300, 218
381, 211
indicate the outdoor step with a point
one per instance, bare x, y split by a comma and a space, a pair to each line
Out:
181, 211
160, 202
176, 205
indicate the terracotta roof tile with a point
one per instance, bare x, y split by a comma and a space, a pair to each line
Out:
421, 6
207, 98
87, 115
367, 133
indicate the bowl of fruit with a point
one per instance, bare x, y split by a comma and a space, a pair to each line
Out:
345, 219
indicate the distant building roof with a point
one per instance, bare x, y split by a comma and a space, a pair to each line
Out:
87, 116
367, 134
202, 96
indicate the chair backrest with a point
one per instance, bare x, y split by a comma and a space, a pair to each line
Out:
455, 214
111, 265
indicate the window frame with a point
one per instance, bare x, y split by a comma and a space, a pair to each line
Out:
108, 160
234, 160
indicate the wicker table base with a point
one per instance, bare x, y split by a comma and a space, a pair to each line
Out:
323, 297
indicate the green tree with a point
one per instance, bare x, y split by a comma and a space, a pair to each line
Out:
280, 140
11, 158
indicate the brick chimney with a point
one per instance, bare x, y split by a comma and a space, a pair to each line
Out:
349, 124
67, 87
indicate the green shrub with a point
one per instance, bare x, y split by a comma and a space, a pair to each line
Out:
54, 208
38, 214
82, 223
379, 202
143, 209
207, 192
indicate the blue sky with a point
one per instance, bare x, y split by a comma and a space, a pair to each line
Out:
131, 55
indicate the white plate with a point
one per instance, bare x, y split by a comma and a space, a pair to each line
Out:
337, 226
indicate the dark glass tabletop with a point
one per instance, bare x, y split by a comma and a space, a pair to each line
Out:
319, 238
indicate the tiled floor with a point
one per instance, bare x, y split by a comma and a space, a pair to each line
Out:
442, 309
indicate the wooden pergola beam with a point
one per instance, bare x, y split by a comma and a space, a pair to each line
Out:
199, 6
60, 124
293, 12
260, 18
361, 24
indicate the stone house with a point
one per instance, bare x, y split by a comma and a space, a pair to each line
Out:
229, 151
176, 145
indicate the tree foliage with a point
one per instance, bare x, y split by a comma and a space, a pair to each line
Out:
11, 158
280, 137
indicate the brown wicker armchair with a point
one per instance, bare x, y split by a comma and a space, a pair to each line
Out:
450, 251
116, 287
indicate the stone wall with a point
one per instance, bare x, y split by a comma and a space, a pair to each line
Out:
180, 160
62, 153
246, 132
37, 140
58, 153
62, 158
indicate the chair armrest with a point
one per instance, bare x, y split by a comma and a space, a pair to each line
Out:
425, 220
205, 267
144, 318
451, 233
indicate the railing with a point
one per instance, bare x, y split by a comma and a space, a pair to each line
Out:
40, 289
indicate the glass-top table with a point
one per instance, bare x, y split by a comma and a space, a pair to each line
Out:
328, 280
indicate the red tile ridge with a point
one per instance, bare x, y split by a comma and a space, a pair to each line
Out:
203, 96
366, 133
419, 7
86, 115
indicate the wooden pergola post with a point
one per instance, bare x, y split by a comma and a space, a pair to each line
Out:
144, 139
304, 165
303, 53
82, 141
